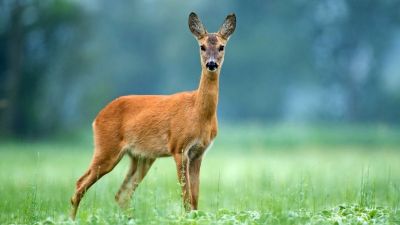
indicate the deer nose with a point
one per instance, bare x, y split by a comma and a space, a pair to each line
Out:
211, 65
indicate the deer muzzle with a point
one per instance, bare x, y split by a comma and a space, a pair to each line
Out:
212, 65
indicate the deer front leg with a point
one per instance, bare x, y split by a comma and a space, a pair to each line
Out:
181, 167
194, 180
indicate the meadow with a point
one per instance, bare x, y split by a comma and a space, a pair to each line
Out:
252, 175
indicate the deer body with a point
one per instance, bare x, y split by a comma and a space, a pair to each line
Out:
146, 127
155, 126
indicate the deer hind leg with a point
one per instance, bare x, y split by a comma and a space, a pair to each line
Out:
137, 171
131, 172
101, 165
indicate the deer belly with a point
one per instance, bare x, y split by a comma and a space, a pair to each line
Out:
149, 153
149, 148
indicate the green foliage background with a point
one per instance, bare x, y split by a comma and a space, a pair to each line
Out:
242, 182
330, 61
309, 109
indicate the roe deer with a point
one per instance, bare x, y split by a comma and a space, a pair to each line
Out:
145, 127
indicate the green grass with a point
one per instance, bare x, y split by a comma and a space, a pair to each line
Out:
323, 177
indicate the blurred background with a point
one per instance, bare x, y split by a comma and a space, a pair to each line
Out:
309, 107
312, 63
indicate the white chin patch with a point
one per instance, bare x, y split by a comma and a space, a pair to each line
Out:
212, 70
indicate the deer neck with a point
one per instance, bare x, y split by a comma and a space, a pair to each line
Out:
207, 94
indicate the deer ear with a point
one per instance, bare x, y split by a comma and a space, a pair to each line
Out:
196, 27
228, 27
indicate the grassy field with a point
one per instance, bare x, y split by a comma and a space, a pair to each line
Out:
252, 175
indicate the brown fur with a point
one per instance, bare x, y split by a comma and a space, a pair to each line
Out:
146, 127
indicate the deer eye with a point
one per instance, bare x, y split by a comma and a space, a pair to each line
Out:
203, 48
221, 48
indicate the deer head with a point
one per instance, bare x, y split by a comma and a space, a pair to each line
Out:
212, 45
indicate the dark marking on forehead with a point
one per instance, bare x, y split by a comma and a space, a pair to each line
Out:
212, 39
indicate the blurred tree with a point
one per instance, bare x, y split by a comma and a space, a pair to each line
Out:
61, 61
32, 35
352, 41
